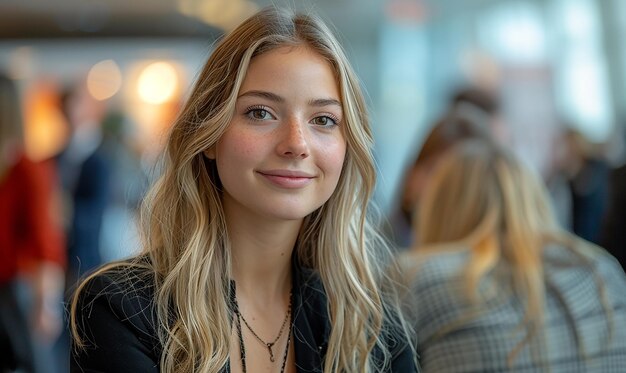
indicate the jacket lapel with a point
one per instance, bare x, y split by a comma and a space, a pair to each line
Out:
311, 324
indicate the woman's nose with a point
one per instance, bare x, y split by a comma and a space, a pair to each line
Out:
294, 142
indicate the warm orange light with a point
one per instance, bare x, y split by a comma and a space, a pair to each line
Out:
225, 14
157, 83
45, 129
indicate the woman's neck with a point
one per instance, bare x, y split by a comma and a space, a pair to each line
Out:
261, 257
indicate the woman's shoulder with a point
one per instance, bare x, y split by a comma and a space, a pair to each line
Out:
585, 285
125, 278
123, 291
563, 261
611, 273
609, 266
425, 269
114, 321
436, 284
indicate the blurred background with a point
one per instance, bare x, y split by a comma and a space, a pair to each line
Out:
551, 61
556, 68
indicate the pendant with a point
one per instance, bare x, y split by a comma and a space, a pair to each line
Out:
269, 349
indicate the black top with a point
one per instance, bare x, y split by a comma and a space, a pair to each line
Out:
116, 315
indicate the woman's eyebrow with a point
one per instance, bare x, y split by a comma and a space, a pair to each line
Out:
263, 94
324, 102
319, 102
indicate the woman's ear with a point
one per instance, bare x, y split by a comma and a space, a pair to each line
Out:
210, 153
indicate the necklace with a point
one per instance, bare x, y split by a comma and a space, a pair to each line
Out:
269, 345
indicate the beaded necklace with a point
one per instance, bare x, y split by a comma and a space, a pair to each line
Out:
269, 345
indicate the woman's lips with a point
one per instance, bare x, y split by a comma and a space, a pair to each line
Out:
287, 179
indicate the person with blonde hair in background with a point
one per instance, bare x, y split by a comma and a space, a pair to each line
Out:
498, 285
31, 248
453, 127
258, 253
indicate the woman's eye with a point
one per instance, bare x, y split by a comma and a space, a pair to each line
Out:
324, 121
259, 114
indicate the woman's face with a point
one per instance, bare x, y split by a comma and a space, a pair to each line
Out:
282, 154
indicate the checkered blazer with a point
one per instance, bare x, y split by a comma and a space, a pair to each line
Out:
575, 320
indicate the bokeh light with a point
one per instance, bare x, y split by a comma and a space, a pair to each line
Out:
104, 80
158, 83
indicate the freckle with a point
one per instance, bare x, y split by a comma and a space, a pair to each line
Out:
282, 254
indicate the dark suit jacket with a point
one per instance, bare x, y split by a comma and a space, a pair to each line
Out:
614, 230
117, 316
90, 196
589, 199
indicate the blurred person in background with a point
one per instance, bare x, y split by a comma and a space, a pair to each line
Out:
84, 168
482, 106
587, 172
128, 184
613, 236
461, 123
260, 214
498, 285
31, 248
557, 181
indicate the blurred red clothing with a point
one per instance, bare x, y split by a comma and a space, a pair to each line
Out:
29, 233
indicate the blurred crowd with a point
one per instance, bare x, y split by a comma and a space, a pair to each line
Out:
584, 186
59, 216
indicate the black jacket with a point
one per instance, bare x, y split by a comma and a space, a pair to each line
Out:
116, 315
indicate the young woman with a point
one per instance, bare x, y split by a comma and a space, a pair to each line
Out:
502, 288
258, 253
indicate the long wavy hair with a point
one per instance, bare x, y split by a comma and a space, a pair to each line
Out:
484, 200
183, 223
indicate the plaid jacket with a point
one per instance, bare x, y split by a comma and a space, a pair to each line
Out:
575, 319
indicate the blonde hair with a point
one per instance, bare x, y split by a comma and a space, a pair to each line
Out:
184, 231
483, 199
